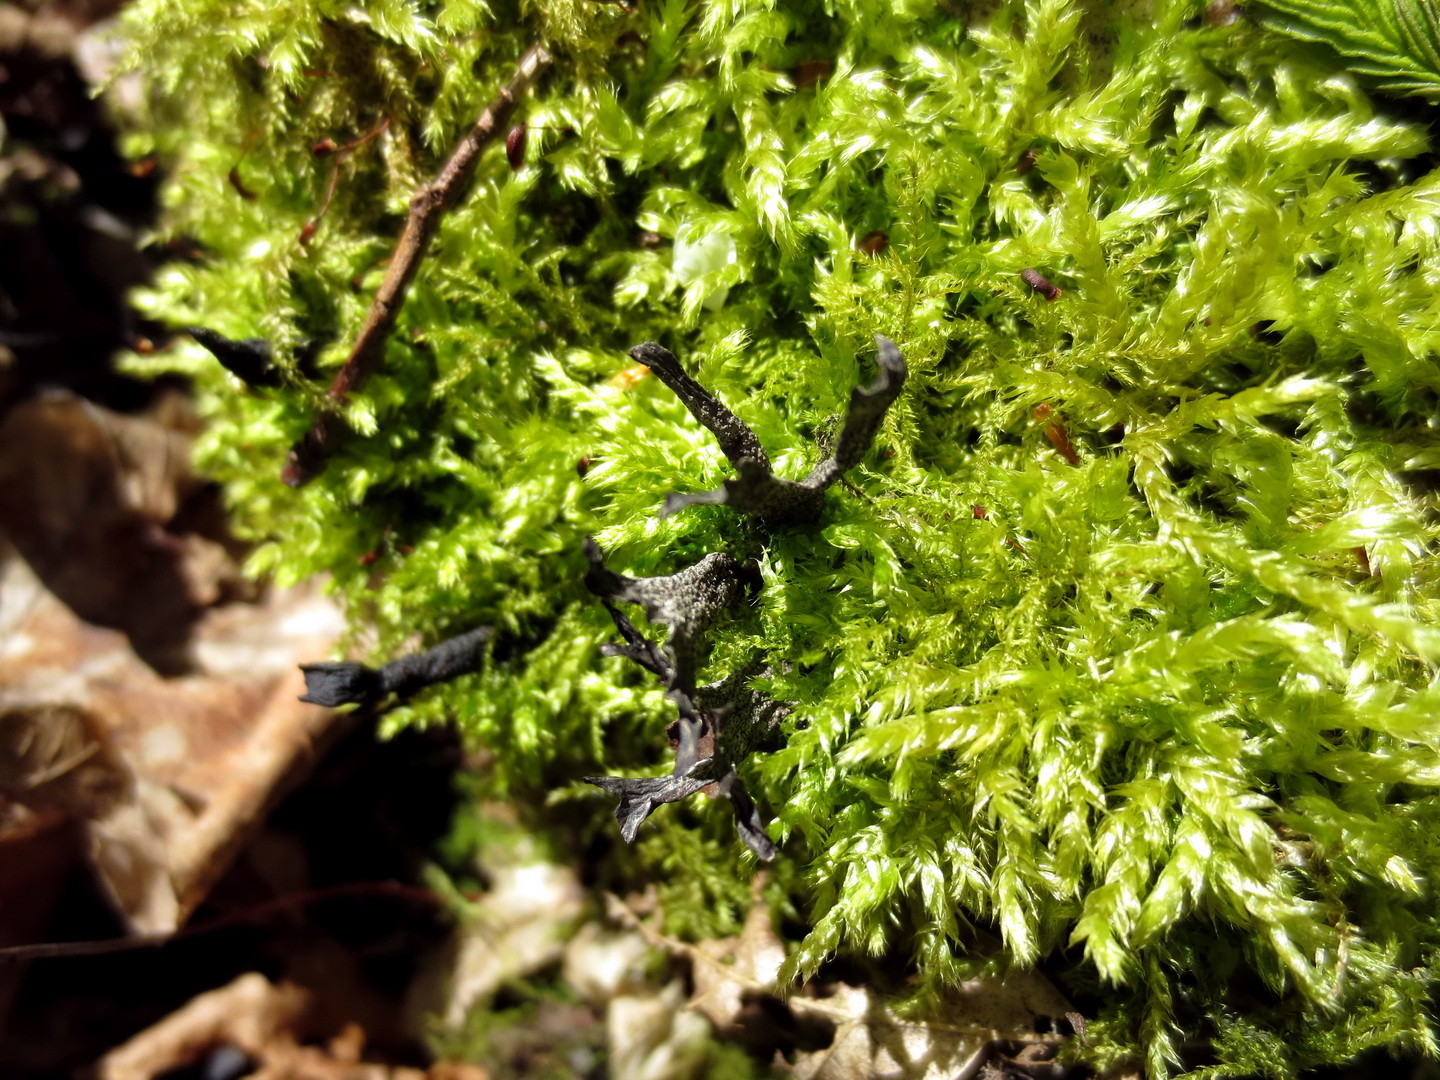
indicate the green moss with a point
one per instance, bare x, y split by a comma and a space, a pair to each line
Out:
1148, 716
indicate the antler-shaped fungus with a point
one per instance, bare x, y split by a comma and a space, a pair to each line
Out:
757, 491
348, 683
712, 737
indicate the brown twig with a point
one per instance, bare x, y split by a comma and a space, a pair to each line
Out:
308, 230
326, 148
427, 208
50, 950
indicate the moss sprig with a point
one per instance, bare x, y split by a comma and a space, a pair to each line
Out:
1160, 712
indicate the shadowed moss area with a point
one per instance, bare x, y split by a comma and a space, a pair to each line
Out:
1119, 645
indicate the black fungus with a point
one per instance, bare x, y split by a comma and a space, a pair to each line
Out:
757, 491
348, 683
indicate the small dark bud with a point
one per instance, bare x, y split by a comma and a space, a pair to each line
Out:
810, 72
515, 147
1363, 558
583, 466
324, 148
307, 233
1036, 281
979, 512
873, 243
1026, 162
1056, 433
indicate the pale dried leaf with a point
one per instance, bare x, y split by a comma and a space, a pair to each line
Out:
248, 1013
520, 926
727, 970
875, 1042
599, 965
273, 1026
651, 1037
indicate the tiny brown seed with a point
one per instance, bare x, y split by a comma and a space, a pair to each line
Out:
872, 243
515, 147
1056, 433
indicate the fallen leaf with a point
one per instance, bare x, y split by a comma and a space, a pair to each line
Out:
107, 513
600, 965
874, 1041
168, 776
520, 926
728, 971
651, 1037
266, 1027
249, 1013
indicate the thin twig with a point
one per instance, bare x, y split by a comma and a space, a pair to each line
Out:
308, 230
56, 949
427, 207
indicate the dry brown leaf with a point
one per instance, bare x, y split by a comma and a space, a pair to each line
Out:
55, 756
105, 510
872, 1040
168, 775
727, 971
271, 1025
